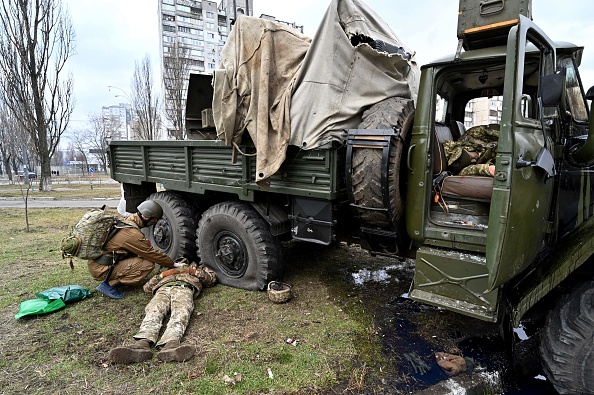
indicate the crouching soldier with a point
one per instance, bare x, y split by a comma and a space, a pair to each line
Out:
175, 290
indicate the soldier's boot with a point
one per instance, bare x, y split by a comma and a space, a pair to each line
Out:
137, 352
176, 352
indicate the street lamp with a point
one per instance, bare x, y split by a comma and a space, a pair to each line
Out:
121, 90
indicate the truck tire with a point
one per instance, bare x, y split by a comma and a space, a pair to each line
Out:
236, 243
395, 112
174, 233
567, 342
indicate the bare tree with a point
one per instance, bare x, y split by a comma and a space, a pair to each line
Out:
175, 77
12, 140
145, 101
103, 128
36, 40
75, 154
78, 146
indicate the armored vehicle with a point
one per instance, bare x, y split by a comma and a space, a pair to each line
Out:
489, 243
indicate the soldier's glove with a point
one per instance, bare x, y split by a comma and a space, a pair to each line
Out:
181, 262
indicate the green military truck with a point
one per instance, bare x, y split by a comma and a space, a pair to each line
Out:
489, 247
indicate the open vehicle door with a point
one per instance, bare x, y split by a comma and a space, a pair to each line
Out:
523, 183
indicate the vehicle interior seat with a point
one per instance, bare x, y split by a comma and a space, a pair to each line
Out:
478, 188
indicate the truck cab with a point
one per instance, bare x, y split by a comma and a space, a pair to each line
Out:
532, 93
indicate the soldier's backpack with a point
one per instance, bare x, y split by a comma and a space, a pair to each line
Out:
89, 235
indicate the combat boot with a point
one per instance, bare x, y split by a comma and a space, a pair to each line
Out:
175, 352
137, 352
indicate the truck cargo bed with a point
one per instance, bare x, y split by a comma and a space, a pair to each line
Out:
199, 166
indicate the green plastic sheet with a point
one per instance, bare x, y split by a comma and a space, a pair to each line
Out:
52, 300
39, 306
68, 293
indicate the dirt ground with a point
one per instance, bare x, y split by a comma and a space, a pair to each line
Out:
410, 333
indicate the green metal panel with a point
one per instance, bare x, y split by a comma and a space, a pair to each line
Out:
564, 259
485, 23
313, 173
521, 197
455, 280
199, 166
418, 159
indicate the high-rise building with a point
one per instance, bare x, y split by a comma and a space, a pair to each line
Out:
192, 37
120, 119
200, 29
200, 26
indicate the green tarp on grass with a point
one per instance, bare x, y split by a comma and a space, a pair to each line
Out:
52, 300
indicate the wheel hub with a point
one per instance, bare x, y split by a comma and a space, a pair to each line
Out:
162, 234
230, 254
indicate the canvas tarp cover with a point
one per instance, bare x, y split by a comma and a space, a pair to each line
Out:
285, 89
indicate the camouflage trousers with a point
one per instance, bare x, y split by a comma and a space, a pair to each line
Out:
175, 299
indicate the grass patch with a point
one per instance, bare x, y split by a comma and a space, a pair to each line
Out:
236, 332
64, 188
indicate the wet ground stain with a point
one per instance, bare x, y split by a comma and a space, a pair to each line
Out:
411, 332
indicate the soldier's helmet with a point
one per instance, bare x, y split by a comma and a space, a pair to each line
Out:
150, 209
279, 292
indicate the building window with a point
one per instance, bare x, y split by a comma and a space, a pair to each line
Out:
184, 29
210, 46
211, 55
167, 28
170, 2
209, 15
188, 19
167, 7
196, 10
210, 25
210, 35
168, 39
168, 18
196, 52
211, 66
183, 8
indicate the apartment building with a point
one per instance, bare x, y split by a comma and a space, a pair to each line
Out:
120, 118
201, 28
483, 111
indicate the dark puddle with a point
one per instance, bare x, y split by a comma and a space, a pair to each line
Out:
411, 334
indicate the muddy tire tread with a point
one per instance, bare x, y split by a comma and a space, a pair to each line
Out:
264, 263
184, 217
366, 164
567, 342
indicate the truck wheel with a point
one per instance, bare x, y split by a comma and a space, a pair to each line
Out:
567, 342
174, 233
395, 112
235, 242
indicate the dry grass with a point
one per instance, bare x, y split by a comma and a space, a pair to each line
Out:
236, 331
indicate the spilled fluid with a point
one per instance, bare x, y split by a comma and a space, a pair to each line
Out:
412, 333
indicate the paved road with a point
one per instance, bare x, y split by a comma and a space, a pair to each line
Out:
49, 202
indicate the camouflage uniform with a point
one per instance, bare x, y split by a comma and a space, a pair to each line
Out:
173, 290
478, 139
139, 257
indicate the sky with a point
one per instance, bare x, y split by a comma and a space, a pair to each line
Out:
113, 35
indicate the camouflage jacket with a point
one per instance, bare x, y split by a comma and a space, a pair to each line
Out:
194, 276
479, 139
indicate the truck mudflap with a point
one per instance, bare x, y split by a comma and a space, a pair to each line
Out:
455, 280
